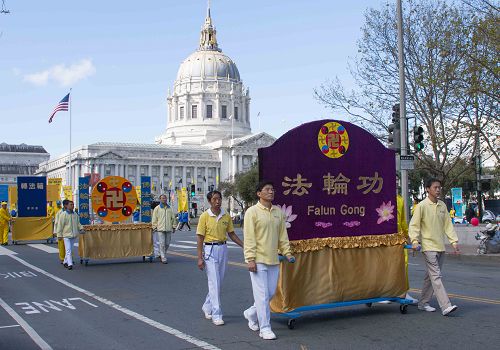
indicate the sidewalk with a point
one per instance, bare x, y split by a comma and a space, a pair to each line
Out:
468, 243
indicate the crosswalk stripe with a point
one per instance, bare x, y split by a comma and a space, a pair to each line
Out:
45, 248
183, 246
5, 251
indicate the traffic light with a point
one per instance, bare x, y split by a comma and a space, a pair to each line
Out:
394, 130
193, 190
418, 138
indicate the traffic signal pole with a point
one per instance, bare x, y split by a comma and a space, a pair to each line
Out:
403, 121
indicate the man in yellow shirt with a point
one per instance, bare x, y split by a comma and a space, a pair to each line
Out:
60, 239
264, 236
428, 226
163, 222
5, 219
213, 228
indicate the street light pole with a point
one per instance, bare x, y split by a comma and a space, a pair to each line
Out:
402, 106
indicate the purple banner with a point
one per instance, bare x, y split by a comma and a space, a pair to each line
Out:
332, 179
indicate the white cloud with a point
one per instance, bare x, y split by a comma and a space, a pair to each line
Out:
62, 74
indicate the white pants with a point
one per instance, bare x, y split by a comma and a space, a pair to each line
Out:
215, 257
164, 242
156, 244
68, 246
264, 283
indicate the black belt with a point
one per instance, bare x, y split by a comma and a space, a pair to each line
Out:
215, 243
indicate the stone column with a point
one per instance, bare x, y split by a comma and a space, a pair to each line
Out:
138, 174
184, 178
234, 158
240, 162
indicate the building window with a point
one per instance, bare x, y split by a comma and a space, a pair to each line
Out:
144, 170
223, 112
181, 112
236, 113
209, 111
194, 111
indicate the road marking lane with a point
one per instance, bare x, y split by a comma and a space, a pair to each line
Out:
11, 326
5, 251
31, 332
45, 248
465, 297
172, 331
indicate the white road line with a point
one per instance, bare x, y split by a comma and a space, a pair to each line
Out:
31, 332
183, 246
45, 248
412, 264
176, 333
5, 251
14, 325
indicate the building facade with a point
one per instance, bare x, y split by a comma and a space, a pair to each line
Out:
20, 160
207, 139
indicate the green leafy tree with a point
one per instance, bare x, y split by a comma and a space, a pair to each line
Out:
445, 61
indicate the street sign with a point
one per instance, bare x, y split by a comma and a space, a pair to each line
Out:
487, 177
407, 162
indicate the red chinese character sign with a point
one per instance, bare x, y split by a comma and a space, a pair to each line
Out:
114, 199
332, 179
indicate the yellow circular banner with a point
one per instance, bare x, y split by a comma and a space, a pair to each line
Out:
333, 140
114, 199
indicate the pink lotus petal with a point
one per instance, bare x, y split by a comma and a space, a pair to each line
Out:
288, 210
288, 225
292, 217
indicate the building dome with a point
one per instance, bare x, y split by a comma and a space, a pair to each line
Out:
208, 65
209, 102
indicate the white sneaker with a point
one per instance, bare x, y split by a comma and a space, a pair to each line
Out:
207, 315
267, 335
254, 326
412, 299
218, 322
427, 308
449, 310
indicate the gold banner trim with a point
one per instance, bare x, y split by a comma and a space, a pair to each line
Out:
116, 227
309, 245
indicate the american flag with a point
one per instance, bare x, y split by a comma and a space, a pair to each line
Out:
61, 106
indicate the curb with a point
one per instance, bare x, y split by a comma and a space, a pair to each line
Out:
473, 257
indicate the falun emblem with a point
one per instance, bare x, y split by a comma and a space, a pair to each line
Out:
114, 199
333, 140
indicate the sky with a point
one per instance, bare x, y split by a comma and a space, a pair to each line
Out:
121, 57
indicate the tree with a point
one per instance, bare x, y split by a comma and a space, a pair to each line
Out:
441, 82
242, 190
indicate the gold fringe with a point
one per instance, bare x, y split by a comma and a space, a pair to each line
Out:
117, 227
307, 245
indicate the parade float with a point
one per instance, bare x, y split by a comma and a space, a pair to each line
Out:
336, 184
113, 201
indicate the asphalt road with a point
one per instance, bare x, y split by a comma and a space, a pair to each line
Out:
128, 304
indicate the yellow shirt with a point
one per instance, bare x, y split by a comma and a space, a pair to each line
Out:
50, 211
68, 225
214, 228
402, 225
4, 216
265, 234
163, 219
429, 225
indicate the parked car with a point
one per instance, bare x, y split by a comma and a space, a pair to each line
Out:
489, 217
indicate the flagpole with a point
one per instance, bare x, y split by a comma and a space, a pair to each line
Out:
70, 172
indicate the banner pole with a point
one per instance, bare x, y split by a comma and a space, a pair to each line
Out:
70, 182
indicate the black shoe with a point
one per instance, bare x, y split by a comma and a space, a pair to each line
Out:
70, 267
65, 265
